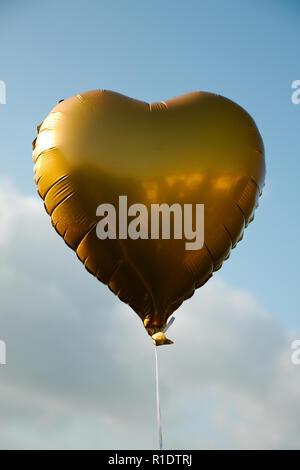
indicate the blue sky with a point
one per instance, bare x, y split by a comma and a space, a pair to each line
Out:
247, 51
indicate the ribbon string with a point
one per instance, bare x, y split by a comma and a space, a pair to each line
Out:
159, 426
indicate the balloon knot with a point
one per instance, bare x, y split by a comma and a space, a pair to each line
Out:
159, 339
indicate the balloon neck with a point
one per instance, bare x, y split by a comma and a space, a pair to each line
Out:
160, 339
156, 332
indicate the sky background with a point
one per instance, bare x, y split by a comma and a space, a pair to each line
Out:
80, 368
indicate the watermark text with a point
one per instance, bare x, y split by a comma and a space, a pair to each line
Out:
296, 94
2, 92
295, 357
2, 353
176, 221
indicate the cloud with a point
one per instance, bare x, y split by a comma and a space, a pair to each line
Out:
80, 367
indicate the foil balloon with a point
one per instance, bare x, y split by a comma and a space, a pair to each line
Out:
101, 148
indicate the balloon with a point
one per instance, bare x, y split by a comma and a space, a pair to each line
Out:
198, 148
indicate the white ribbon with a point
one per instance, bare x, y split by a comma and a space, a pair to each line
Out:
160, 439
170, 322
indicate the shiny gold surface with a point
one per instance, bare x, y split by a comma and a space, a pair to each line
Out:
197, 148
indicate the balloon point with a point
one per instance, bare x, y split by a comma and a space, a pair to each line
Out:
159, 339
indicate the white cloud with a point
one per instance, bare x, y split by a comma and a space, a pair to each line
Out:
80, 371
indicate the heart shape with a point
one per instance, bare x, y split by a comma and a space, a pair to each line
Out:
198, 148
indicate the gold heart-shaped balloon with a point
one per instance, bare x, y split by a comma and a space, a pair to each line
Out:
199, 148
